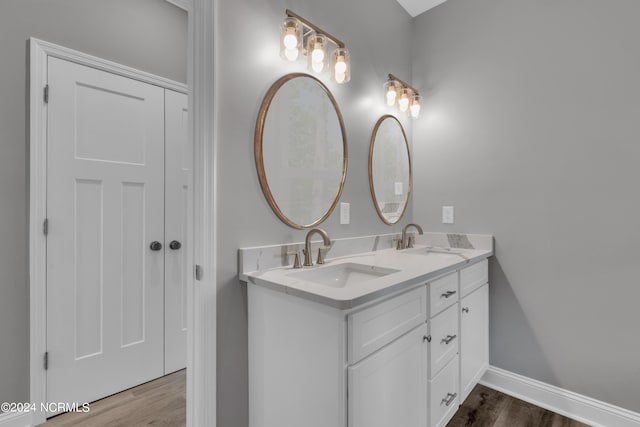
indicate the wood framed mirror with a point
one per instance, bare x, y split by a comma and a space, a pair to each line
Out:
301, 150
389, 169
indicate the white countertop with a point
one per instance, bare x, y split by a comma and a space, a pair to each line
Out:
413, 269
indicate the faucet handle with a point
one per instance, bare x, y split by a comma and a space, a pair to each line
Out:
398, 244
410, 241
322, 252
296, 261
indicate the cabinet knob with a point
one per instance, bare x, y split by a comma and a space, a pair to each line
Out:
155, 246
465, 310
175, 245
448, 339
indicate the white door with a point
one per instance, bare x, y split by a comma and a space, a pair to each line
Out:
178, 223
474, 339
389, 388
105, 204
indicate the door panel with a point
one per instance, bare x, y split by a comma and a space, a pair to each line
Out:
474, 343
178, 227
105, 204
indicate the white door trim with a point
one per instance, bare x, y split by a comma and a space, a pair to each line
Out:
39, 51
201, 373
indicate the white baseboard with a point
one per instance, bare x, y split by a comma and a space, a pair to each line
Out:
573, 405
15, 419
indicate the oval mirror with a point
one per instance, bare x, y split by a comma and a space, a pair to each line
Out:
301, 150
389, 169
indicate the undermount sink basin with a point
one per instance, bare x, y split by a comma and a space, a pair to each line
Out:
443, 254
342, 275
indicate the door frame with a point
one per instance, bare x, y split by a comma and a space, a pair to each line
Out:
39, 51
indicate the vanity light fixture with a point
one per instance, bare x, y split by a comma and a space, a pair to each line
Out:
403, 95
299, 34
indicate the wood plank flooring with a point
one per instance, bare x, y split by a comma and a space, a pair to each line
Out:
159, 403
486, 407
162, 403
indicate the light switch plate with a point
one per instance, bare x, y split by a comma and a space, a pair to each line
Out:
447, 215
399, 191
345, 214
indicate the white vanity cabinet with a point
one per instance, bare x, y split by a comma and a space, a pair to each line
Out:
406, 359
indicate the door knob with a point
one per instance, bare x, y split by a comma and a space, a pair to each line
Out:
175, 245
155, 246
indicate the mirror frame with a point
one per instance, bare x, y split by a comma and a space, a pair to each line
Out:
371, 186
258, 150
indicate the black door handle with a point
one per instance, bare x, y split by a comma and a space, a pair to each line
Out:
155, 246
175, 245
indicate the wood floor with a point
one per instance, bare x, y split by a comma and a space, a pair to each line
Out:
159, 403
486, 407
162, 403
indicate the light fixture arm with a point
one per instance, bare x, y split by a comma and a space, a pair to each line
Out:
308, 24
403, 83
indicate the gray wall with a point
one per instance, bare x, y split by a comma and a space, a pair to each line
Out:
150, 35
378, 36
530, 129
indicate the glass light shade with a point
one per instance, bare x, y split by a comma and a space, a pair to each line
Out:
291, 39
403, 102
316, 52
414, 106
341, 65
391, 93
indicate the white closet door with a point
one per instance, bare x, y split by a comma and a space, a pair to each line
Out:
178, 228
105, 204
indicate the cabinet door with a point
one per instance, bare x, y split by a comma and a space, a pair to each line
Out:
389, 388
474, 340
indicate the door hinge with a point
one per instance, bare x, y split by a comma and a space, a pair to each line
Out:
198, 272
45, 227
46, 360
46, 94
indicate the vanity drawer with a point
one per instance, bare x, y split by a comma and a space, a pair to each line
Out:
443, 293
444, 339
443, 395
378, 325
474, 276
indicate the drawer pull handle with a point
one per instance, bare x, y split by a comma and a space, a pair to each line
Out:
426, 338
448, 294
449, 399
448, 339
465, 310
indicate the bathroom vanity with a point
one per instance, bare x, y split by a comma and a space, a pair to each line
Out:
375, 339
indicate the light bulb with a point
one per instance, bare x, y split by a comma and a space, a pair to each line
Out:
340, 65
403, 103
391, 96
290, 41
415, 110
317, 55
291, 53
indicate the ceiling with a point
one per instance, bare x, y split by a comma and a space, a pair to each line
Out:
416, 7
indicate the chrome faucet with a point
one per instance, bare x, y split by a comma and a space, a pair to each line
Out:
307, 246
407, 242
